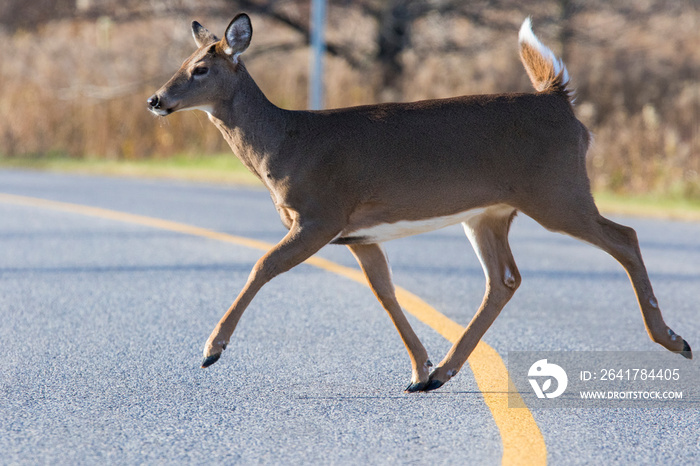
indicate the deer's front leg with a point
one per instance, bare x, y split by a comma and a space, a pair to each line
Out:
302, 241
376, 268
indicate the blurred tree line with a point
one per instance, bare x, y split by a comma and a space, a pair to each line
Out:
74, 74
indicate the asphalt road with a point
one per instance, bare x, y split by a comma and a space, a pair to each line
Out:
103, 324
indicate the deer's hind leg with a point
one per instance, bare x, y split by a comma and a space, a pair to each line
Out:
574, 212
374, 264
488, 234
621, 243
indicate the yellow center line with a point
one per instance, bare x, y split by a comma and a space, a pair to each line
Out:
522, 440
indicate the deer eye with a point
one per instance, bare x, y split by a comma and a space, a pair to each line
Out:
200, 71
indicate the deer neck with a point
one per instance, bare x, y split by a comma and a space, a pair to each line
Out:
252, 125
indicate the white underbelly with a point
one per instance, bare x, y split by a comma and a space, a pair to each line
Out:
388, 231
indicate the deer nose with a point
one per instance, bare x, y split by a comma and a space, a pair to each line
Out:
154, 101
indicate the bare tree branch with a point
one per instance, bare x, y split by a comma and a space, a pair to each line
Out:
266, 8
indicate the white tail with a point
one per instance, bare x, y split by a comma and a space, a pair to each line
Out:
360, 176
545, 70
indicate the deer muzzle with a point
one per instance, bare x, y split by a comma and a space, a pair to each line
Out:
155, 105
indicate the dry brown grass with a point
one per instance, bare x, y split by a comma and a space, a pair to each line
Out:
79, 87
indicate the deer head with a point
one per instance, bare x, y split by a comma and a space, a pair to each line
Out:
204, 79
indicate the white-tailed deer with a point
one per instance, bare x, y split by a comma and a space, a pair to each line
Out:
364, 175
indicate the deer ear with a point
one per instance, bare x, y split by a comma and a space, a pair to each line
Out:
238, 35
201, 35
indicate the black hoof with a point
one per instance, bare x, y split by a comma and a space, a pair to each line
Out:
209, 360
415, 387
687, 352
432, 385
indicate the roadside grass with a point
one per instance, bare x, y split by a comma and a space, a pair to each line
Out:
218, 168
650, 206
227, 169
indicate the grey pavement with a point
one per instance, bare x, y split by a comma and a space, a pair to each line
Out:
103, 325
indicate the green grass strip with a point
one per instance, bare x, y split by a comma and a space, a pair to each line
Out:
227, 169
